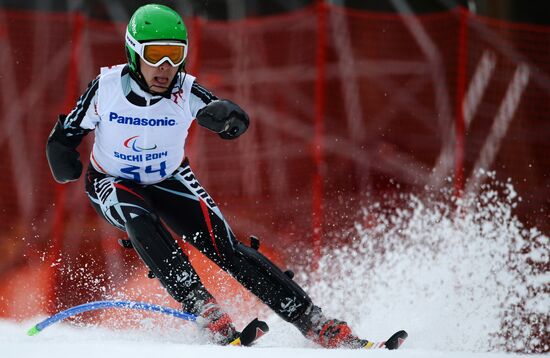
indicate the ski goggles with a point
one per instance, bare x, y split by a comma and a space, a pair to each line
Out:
155, 53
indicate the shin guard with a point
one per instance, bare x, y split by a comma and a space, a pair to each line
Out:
162, 255
271, 285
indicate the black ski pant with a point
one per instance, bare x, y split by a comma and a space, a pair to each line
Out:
188, 210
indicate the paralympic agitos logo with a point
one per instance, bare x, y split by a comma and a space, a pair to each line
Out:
132, 143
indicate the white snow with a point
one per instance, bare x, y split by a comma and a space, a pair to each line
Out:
454, 276
61, 341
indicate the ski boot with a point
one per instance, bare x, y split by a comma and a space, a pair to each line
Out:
218, 324
211, 317
333, 333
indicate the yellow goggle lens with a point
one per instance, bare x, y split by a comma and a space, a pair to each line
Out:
155, 53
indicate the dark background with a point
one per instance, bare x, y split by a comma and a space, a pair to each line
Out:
531, 11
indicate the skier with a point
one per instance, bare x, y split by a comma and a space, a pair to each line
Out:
139, 179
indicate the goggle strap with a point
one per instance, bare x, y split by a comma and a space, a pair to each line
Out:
134, 44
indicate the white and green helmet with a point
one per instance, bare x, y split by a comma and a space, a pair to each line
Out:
153, 23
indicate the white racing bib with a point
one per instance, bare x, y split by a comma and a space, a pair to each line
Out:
144, 144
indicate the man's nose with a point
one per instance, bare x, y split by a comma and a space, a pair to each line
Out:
165, 65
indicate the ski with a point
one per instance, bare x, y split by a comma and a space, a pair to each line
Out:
394, 342
251, 333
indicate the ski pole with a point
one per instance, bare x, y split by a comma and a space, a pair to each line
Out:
91, 306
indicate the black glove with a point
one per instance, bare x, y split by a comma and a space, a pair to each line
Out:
63, 158
225, 118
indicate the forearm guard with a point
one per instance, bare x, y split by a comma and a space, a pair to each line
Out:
63, 158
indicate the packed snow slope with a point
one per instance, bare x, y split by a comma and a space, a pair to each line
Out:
67, 342
461, 275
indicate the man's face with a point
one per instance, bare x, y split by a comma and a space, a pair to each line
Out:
158, 78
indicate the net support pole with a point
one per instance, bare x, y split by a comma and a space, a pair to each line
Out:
462, 64
59, 221
194, 64
319, 129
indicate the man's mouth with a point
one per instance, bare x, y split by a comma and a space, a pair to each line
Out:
161, 81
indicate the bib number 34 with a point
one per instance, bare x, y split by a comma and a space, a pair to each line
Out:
135, 171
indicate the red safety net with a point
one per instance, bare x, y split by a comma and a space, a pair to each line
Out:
344, 105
